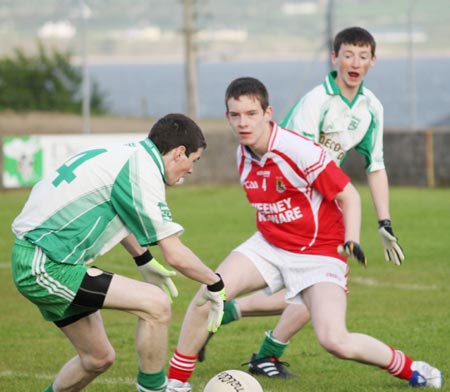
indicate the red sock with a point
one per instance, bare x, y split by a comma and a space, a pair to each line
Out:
181, 366
400, 365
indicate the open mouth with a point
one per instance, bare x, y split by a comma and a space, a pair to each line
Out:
353, 75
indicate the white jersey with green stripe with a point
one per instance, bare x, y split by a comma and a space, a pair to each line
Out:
97, 198
325, 116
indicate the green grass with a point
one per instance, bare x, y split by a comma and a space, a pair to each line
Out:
407, 307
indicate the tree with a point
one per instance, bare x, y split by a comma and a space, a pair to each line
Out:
46, 81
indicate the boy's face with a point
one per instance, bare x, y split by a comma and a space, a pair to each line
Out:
178, 165
248, 120
352, 64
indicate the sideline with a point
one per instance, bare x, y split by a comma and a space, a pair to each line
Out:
50, 377
371, 282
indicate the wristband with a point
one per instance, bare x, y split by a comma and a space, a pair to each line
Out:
384, 223
215, 287
144, 258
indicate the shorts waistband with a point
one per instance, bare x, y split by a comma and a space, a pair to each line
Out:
23, 243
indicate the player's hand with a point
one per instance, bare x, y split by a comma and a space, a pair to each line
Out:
215, 294
392, 250
353, 250
155, 273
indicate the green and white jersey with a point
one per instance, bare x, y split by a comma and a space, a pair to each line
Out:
95, 199
328, 118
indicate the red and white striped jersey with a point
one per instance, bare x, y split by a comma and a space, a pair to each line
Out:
293, 187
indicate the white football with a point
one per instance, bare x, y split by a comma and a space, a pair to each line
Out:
233, 381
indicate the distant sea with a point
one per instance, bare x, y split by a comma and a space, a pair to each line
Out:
413, 93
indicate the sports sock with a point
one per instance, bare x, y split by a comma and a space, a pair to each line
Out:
271, 347
49, 388
400, 365
181, 366
151, 381
231, 312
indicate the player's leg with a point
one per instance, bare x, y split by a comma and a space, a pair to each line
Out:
94, 354
152, 307
327, 304
257, 304
266, 361
239, 275
253, 305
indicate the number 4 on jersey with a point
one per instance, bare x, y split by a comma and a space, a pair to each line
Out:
66, 172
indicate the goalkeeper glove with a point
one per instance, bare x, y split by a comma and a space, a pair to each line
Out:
392, 249
155, 273
353, 250
214, 293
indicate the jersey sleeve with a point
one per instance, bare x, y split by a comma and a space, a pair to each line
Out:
331, 181
304, 118
138, 196
371, 146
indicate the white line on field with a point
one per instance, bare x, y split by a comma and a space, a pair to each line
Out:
403, 286
5, 265
44, 376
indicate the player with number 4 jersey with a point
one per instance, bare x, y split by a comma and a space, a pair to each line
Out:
97, 199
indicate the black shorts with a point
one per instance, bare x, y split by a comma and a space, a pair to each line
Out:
91, 295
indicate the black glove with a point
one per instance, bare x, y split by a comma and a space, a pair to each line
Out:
353, 250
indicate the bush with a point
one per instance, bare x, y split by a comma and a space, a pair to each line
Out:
45, 81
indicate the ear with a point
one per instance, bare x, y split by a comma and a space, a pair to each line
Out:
333, 57
178, 152
269, 112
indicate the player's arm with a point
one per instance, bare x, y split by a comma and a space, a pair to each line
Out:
379, 189
184, 260
151, 270
350, 203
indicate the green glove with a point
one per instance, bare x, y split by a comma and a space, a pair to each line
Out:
155, 273
215, 294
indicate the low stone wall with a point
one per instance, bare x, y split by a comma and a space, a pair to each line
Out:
415, 158
420, 158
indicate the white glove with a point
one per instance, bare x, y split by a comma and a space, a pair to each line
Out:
154, 273
392, 249
215, 294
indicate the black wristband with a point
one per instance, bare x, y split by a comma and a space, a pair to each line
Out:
144, 258
215, 287
384, 223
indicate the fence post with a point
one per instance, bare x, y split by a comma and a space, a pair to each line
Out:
429, 158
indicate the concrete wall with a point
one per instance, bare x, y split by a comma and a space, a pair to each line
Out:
420, 158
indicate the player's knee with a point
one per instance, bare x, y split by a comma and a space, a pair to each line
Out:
100, 361
157, 308
335, 344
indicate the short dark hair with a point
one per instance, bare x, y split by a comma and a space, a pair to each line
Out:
174, 130
354, 36
247, 86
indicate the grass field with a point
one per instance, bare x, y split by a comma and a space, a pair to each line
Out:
407, 307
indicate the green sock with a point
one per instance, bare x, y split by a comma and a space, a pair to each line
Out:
153, 381
230, 312
271, 347
49, 388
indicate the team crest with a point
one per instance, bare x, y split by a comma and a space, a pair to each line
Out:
280, 186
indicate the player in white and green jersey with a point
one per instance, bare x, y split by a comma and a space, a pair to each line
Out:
339, 124
101, 197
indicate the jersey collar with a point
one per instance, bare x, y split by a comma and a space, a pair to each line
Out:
332, 88
154, 153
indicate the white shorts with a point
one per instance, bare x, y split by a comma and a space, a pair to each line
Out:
295, 272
